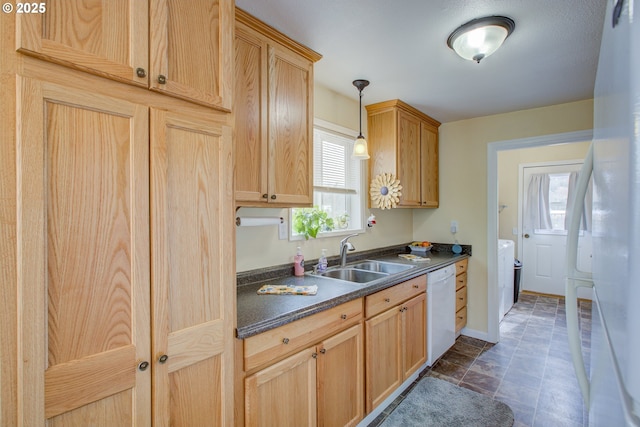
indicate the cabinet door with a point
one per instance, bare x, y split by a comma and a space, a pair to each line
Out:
250, 113
429, 169
414, 328
383, 356
284, 394
409, 158
341, 379
193, 285
83, 258
104, 37
191, 50
290, 128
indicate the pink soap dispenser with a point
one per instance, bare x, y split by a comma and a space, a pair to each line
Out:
298, 263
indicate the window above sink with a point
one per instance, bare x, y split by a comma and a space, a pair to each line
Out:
339, 183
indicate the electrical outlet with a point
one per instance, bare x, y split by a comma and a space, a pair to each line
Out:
454, 227
283, 230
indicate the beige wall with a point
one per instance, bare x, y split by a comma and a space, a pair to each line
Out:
509, 162
463, 183
258, 247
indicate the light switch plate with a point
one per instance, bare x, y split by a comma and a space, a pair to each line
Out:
454, 226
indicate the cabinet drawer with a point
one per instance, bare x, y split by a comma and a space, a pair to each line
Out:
383, 300
461, 298
461, 280
270, 345
461, 318
461, 266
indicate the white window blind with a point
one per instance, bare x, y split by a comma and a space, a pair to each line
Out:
334, 169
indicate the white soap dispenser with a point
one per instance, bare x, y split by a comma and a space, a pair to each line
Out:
322, 262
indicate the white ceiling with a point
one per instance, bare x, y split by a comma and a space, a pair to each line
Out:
401, 47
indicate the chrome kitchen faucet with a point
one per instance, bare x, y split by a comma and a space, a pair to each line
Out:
345, 245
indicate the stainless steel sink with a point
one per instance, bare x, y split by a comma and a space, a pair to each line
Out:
353, 275
381, 266
365, 271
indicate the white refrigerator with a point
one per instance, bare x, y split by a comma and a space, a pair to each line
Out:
611, 389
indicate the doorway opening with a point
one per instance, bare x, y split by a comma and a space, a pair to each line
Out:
544, 190
494, 205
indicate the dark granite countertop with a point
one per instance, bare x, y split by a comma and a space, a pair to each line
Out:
260, 313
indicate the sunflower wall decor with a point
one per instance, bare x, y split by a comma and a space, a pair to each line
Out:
385, 191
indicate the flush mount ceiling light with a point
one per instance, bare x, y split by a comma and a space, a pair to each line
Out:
481, 37
360, 150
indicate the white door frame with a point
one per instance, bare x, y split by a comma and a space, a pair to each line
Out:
493, 297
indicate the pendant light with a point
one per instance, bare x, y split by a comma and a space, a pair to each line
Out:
480, 37
360, 150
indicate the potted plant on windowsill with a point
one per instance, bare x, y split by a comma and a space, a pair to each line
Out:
310, 221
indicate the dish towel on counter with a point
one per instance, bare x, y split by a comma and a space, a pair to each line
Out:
287, 290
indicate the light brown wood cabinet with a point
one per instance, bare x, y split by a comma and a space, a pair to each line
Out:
120, 300
273, 110
396, 338
85, 265
283, 394
341, 379
193, 297
182, 50
319, 384
404, 141
124, 324
461, 294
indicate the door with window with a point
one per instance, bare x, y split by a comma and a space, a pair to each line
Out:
545, 191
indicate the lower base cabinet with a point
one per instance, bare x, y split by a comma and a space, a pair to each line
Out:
293, 379
396, 339
319, 385
283, 394
341, 379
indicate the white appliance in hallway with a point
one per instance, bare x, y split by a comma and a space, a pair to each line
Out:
506, 256
441, 312
612, 391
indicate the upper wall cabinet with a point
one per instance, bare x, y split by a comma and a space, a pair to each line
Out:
404, 141
181, 50
273, 110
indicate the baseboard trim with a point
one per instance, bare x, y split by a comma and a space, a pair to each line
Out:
542, 294
481, 335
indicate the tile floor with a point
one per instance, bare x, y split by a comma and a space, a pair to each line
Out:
529, 369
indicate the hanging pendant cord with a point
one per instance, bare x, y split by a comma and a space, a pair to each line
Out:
360, 112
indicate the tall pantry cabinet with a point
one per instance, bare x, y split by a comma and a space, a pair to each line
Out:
116, 213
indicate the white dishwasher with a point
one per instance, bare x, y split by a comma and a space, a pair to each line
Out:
441, 312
